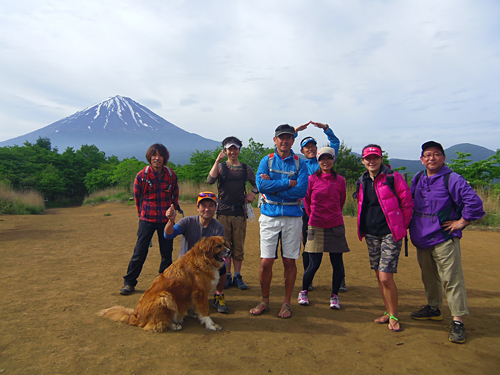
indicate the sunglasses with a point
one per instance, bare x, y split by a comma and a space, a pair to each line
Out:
205, 195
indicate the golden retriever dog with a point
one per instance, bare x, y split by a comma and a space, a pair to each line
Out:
185, 285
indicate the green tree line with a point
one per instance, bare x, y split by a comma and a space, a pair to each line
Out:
73, 174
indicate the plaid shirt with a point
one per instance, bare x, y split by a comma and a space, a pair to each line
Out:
157, 196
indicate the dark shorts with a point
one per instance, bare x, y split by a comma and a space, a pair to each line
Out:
383, 252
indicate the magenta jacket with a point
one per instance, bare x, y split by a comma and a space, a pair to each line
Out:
396, 205
324, 200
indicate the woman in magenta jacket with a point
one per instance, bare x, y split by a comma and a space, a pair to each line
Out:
323, 203
385, 207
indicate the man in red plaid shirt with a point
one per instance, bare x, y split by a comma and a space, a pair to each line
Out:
155, 189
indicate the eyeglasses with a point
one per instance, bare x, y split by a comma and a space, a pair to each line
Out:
429, 155
205, 195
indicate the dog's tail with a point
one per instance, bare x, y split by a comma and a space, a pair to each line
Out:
117, 313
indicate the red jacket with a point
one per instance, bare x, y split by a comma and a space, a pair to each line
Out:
397, 208
156, 194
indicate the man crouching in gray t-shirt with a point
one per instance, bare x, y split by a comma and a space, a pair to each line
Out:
193, 228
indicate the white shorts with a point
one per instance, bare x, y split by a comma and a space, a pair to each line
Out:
288, 229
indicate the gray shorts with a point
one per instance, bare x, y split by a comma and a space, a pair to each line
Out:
383, 252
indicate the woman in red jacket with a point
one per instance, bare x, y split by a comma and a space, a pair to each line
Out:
385, 207
323, 203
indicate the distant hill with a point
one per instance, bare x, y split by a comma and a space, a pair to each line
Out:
478, 153
122, 127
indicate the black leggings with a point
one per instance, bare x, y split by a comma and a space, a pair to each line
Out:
314, 263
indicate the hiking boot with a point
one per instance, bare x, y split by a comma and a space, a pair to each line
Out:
334, 302
427, 313
238, 283
220, 303
457, 332
229, 281
343, 287
303, 300
127, 290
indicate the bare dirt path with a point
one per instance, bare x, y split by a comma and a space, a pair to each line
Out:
58, 269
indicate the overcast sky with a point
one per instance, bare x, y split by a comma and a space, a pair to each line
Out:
397, 73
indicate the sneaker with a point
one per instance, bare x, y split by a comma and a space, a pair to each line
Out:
303, 300
311, 287
427, 313
343, 287
334, 302
229, 281
127, 290
220, 303
457, 332
238, 283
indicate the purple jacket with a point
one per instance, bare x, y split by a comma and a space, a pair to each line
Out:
397, 208
434, 204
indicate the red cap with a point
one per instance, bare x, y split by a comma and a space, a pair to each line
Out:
371, 151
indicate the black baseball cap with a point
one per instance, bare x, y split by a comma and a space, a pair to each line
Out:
284, 129
430, 144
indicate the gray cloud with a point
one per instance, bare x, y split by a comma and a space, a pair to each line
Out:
388, 72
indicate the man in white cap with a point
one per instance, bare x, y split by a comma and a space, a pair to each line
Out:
231, 177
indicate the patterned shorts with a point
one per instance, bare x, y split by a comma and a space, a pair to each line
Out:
383, 252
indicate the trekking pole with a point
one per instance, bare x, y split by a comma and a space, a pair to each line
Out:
406, 245
180, 211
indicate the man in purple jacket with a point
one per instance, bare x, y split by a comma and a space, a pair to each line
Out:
444, 204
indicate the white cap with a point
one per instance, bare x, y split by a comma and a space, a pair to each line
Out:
326, 151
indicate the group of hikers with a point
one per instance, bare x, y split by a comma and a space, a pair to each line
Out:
301, 203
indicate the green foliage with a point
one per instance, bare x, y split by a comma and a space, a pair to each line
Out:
347, 164
253, 154
125, 172
200, 164
51, 182
40, 167
98, 179
479, 173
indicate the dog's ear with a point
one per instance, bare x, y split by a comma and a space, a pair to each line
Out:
207, 246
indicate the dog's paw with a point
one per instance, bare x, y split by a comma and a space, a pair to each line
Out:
215, 327
209, 323
175, 326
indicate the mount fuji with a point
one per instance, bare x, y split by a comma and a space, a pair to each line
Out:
122, 127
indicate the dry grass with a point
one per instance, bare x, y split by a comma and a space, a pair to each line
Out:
14, 202
491, 205
188, 190
112, 194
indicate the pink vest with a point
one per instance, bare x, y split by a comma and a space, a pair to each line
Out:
397, 208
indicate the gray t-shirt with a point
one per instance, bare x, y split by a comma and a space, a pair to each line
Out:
192, 232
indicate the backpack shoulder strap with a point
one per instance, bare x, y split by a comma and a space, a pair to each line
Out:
223, 174
417, 179
390, 182
270, 161
297, 162
358, 185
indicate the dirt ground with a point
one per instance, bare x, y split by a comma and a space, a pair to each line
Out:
60, 268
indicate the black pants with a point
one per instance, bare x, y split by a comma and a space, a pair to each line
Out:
314, 263
144, 235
